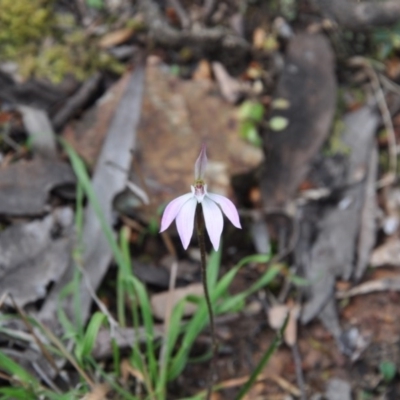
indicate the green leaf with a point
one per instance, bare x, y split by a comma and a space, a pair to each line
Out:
280, 104
299, 281
263, 362
133, 286
140, 290
235, 302
98, 4
213, 264
388, 370
153, 227
200, 318
16, 393
278, 123
84, 348
251, 110
249, 132
15, 370
172, 337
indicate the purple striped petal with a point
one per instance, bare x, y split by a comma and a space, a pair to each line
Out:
214, 221
172, 210
227, 207
185, 221
201, 164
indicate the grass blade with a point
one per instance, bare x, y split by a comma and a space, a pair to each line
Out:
84, 347
264, 360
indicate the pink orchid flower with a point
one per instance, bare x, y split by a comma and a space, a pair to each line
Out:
183, 208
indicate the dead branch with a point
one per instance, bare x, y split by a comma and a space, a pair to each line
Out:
76, 102
209, 8
203, 38
182, 14
360, 16
383, 108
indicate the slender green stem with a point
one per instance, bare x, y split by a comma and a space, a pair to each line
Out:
202, 246
264, 360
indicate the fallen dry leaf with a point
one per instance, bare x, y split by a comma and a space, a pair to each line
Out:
340, 223
386, 254
231, 89
309, 117
277, 315
99, 392
32, 258
281, 382
203, 71
178, 116
290, 334
338, 389
86, 136
128, 370
160, 301
379, 285
276, 318
259, 37
25, 185
107, 181
123, 337
38, 126
115, 38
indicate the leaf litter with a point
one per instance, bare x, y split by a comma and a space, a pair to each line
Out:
329, 210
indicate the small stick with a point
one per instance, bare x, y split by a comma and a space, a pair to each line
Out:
31, 330
182, 14
76, 101
209, 8
299, 371
384, 110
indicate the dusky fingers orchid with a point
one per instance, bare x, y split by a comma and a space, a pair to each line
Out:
183, 208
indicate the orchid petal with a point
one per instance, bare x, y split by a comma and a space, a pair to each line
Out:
172, 210
201, 164
214, 221
227, 207
185, 221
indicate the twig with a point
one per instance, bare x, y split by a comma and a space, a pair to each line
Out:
299, 371
27, 323
77, 101
46, 379
82, 8
9, 140
182, 14
384, 110
389, 84
361, 16
379, 285
202, 245
386, 117
38, 126
209, 8
57, 342
235, 382
203, 38
111, 321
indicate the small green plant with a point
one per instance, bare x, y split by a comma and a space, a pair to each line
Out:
250, 116
387, 41
47, 44
388, 370
156, 371
98, 4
